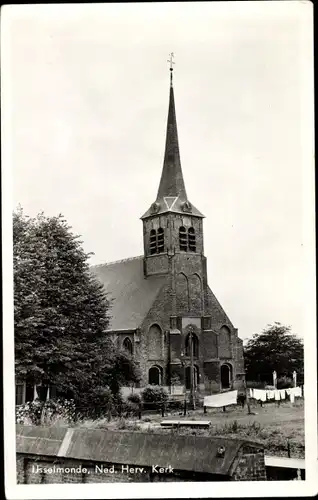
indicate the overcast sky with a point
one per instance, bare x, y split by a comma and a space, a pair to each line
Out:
89, 99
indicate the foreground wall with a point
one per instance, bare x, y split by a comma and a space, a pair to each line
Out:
62, 455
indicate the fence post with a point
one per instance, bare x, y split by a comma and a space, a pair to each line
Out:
185, 408
204, 409
163, 410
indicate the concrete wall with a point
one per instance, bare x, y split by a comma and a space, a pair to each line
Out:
35, 469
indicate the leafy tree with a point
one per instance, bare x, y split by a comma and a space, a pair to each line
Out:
276, 348
61, 313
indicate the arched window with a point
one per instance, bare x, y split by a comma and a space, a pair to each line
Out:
183, 239
160, 240
157, 241
155, 342
182, 293
127, 344
195, 345
225, 342
155, 375
196, 294
191, 239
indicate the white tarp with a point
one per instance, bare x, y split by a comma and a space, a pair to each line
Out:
222, 399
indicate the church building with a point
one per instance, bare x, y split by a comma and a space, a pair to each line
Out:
163, 310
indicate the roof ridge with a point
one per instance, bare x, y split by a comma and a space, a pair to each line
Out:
118, 261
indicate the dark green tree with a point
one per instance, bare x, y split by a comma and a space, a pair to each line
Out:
276, 348
61, 314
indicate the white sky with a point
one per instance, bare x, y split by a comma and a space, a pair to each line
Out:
88, 108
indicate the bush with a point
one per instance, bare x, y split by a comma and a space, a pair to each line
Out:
154, 396
255, 384
134, 398
98, 403
131, 405
46, 412
284, 382
175, 405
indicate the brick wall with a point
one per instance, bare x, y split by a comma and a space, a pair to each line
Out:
159, 314
185, 295
249, 465
35, 469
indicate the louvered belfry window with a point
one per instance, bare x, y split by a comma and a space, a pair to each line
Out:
183, 243
191, 239
160, 240
187, 239
157, 241
153, 242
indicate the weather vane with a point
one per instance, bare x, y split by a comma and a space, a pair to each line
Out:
171, 61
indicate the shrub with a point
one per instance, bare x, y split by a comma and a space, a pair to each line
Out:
29, 413
175, 405
98, 403
47, 412
284, 382
131, 405
255, 384
153, 397
154, 394
134, 398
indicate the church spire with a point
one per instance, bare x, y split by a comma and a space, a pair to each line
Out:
171, 194
171, 183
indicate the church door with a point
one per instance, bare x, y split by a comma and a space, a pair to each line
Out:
226, 377
154, 375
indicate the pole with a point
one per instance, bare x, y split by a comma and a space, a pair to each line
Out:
192, 398
295, 378
35, 393
247, 398
275, 379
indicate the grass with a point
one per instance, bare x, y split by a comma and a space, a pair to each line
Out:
271, 425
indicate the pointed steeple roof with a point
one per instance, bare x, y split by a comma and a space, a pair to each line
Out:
171, 183
171, 196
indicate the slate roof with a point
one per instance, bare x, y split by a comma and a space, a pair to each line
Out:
186, 453
132, 293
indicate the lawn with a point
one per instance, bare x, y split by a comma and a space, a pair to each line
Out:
272, 425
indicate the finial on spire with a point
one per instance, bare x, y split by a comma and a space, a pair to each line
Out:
171, 61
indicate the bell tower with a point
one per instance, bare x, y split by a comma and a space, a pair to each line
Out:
172, 225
